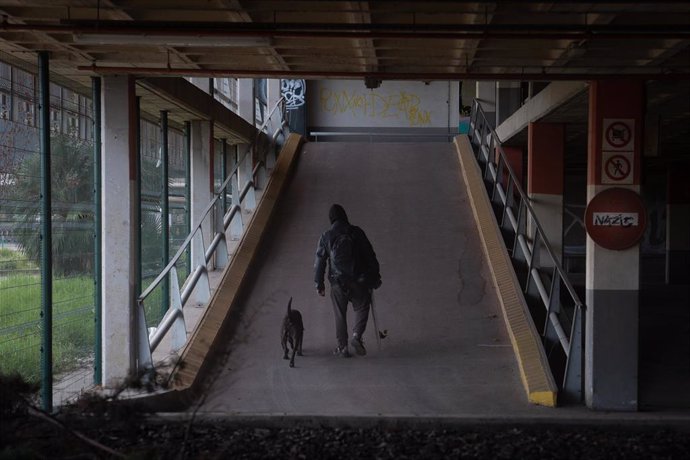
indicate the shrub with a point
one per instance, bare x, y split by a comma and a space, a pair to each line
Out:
72, 210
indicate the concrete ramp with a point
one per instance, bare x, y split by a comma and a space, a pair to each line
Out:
447, 353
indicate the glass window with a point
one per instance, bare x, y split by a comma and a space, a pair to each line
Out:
5, 105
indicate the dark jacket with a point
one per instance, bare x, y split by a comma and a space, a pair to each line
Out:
367, 267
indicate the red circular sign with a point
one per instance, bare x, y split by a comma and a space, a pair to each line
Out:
616, 218
618, 134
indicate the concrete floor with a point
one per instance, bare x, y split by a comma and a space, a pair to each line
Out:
447, 354
447, 351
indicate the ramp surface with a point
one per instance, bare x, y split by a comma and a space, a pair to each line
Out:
447, 353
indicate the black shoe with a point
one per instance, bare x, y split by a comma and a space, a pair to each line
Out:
358, 344
342, 352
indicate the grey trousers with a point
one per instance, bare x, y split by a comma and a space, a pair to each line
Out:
360, 298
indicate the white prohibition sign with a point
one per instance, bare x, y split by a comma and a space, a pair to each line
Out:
618, 134
617, 167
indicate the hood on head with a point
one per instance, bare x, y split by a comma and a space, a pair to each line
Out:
337, 213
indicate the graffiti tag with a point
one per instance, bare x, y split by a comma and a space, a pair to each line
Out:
402, 105
616, 219
294, 92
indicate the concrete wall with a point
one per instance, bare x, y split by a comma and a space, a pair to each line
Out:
395, 104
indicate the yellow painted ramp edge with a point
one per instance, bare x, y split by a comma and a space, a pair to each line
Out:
205, 336
534, 368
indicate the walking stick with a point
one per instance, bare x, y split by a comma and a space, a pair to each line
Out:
379, 334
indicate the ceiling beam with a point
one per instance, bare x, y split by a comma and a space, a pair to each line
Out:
259, 73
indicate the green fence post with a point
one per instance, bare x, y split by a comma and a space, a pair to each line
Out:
187, 189
137, 199
224, 172
46, 235
165, 211
97, 235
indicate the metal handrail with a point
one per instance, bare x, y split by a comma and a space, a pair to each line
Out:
174, 317
372, 134
495, 169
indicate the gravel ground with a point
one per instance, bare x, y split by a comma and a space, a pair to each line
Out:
29, 436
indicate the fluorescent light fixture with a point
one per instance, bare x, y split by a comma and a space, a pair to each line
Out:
144, 39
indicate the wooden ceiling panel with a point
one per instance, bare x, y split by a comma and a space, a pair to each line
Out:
326, 37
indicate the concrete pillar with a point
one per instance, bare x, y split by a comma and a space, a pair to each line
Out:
236, 223
246, 107
246, 166
273, 96
612, 276
678, 225
508, 99
119, 258
545, 152
453, 105
273, 90
486, 95
201, 185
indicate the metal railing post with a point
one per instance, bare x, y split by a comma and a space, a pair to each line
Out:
553, 306
573, 378
246, 178
219, 230
179, 331
144, 358
203, 290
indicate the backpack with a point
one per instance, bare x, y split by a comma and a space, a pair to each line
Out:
353, 260
344, 256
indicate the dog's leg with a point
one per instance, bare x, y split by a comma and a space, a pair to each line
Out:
299, 343
284, 340
293, 345
292, 358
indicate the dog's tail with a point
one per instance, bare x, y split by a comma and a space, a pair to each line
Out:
289, 305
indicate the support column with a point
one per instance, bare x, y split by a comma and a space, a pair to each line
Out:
273, 90
224, 171
245, 100
678, 225
545, 151
236, 224
486, 95
612, 276
507, 99
273, 96
120, 228
200, 174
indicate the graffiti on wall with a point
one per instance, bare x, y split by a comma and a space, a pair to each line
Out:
294, 92
402, 105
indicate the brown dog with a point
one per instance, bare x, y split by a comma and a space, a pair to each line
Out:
291, 333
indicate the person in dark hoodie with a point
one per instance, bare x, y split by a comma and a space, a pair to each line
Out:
353, 271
